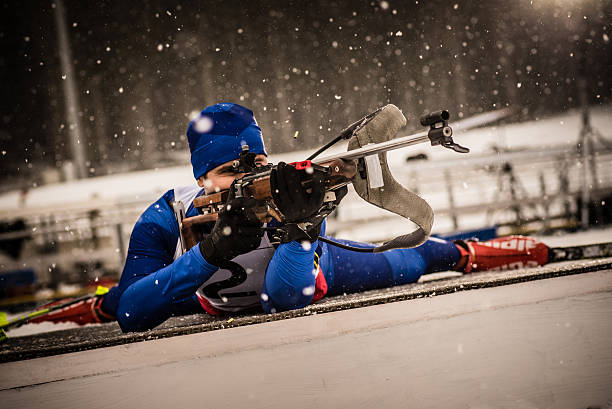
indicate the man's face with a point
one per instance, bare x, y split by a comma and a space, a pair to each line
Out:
221, 177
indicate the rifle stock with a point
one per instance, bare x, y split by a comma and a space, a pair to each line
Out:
339, 174
193, 228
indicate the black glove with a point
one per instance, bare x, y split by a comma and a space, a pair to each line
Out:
314, 231
237, 231
298, 194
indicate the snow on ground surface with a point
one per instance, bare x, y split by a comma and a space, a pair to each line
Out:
537, 344
580, 238
31, 329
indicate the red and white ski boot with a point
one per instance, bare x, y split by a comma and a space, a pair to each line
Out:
500, 254
83, 312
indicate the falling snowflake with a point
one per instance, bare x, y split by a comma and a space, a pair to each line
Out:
203, 124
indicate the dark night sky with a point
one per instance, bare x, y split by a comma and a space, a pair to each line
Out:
143, 68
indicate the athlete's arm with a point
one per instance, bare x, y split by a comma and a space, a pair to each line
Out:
290, 280
168, 291
153, 286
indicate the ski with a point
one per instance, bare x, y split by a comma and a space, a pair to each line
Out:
597, 250
6, 324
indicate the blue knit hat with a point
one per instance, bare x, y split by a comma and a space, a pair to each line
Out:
218, 133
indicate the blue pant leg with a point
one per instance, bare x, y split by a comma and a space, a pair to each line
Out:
348, 271
438, 254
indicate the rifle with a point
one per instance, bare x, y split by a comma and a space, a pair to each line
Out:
364, 165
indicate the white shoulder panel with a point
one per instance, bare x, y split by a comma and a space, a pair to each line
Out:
185, 195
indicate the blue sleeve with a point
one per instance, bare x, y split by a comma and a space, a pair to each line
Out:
153, 286
290, 278
154, 298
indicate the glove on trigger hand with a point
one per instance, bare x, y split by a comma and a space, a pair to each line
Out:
237, 231
299, 195
291, 196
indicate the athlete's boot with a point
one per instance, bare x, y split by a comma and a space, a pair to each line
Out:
502, 253
84, 312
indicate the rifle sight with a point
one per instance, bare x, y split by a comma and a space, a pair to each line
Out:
435, 117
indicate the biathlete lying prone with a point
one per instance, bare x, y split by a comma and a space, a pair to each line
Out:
159, 281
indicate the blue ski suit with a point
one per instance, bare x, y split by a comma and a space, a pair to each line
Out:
158, 282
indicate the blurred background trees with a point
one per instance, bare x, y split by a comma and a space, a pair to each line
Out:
143, 69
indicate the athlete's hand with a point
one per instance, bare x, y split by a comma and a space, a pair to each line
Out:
237, 231
298, 194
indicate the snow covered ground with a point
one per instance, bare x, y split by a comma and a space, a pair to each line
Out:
536, 344
31, 329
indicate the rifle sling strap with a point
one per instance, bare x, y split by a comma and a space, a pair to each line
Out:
381, 189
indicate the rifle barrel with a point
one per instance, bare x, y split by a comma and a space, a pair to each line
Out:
376, 148
414, 139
